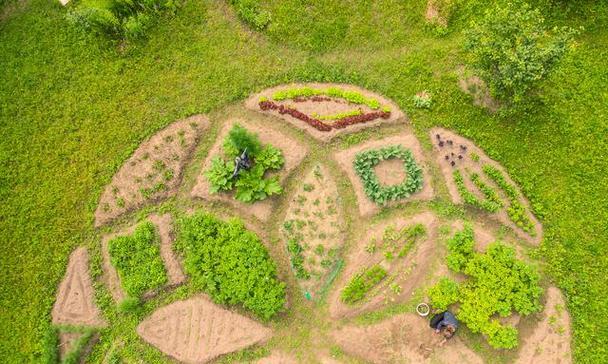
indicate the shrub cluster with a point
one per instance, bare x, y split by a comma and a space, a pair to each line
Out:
250, 185
251, 13
230, 263
120, 19
498, 284
365, 162
516, 210
361, 284
137, 260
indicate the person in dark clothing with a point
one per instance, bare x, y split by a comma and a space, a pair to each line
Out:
445, 323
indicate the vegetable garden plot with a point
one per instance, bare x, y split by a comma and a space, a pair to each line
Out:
366, 186
153, 172
196, 330
474, 179
292, 151
386, 266
326, 110
313, 230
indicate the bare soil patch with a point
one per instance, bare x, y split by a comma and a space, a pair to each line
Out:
277, 357
390, 172
467, 165
406, 273
153, 172
293, 151
477, 88
403, 338
196, 330
326, 108
75, 303
550, 340
366, 206
432, 14
314, 216
164, 224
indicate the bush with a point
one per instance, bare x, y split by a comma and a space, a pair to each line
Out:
361, 284
365, 162
230, 263
250, 184
137, 260
119, 19
251, 13
423, 100
497, 284
512, 49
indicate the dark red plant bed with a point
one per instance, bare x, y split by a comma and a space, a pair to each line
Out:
320, 125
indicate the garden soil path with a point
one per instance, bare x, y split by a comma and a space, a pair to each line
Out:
196, 330
326, 108
155, 167
367, 207
277, 357
293, 151
406, 336
75, 303
164, 225
550, 340
467, 163
409, 272
67, 340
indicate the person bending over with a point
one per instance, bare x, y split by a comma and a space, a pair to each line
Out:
444, 323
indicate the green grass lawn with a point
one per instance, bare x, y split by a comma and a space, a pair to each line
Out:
73, 108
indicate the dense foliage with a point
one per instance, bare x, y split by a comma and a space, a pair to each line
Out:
230, 263
251, 184
365, 162
252, 13
120, 19
498, 284
137, 260
358, 287
512, 49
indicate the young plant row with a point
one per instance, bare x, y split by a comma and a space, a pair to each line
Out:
516, 210
251, 184
352, 97
365, 162
396, 244
318, 124
498, 284
490, 204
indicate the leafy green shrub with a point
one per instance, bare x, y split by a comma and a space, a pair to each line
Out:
119, 19
497, 284
350, 96
250, 184
365, 162
516, 210
443, 294
137, 260
469, 198
297, 258
230, 263
239, 139
361, 284
512, 49
251, 13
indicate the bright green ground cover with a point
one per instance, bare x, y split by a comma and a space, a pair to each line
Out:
71, 112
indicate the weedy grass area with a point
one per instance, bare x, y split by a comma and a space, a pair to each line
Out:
74, 106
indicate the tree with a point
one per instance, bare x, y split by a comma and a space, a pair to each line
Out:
512, 49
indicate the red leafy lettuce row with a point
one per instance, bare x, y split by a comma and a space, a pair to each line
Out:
318, 124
